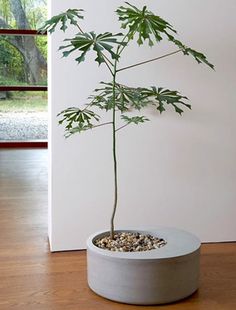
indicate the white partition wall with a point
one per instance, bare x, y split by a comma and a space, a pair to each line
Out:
173, 171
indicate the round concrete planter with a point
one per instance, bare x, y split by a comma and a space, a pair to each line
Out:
157, 276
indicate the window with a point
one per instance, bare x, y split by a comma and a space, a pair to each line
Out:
23, 69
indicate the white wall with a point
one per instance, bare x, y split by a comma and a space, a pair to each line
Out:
173, 171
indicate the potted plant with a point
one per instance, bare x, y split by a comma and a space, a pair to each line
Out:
139, 267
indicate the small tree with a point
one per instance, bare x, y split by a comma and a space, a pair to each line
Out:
112, 96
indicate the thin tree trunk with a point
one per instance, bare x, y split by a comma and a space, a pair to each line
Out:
114, 156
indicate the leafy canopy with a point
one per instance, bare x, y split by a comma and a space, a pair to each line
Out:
142, 22
108, 47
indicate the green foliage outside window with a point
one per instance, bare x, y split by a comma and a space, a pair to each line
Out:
15, 63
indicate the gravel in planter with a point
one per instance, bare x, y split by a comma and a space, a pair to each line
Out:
130, 242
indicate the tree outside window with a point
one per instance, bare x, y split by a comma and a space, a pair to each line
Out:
22, 58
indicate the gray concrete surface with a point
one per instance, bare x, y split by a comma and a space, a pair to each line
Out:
22, 126
157, 276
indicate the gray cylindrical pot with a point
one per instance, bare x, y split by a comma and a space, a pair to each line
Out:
157, 276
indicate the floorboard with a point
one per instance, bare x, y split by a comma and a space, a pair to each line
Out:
32, 278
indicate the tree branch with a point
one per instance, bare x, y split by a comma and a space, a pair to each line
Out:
121, 127
122, 47
80, 29
147, 61
103, 124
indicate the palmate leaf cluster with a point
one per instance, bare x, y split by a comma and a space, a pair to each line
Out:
71, 16
77, 120
84, 42
151, 27
126, 99
144, 23
130, 98
137, 22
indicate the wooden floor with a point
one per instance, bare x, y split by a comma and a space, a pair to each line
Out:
32, 278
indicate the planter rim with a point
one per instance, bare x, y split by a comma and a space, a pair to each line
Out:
179, 243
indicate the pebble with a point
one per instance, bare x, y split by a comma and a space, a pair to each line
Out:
130, 242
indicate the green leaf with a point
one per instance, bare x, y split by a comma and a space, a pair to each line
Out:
151, 27
199, 57
160, 97
84, 42
144, 23
126, 97
134, 119
77, 120
71, 16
